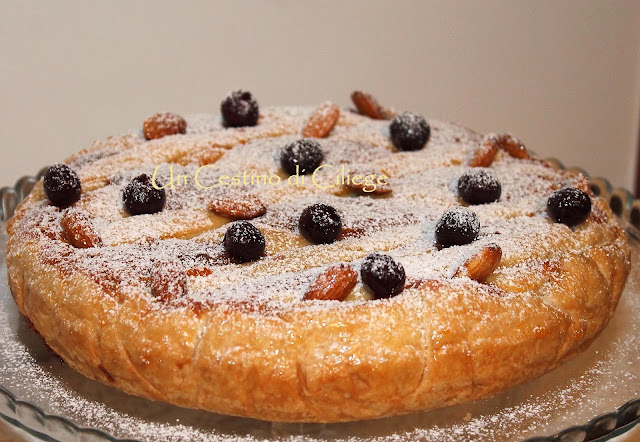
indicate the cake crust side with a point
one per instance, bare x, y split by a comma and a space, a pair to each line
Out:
444, 340
290, 367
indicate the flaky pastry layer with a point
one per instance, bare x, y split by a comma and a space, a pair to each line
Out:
244, 342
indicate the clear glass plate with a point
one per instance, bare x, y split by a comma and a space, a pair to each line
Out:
40, 392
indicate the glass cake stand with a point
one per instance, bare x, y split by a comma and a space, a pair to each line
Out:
596, 395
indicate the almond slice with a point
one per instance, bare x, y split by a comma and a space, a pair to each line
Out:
335, 283
78, 229
481, 264
245, 206
367, 105
322, 121
168, 280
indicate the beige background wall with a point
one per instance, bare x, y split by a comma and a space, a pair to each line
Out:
562, 75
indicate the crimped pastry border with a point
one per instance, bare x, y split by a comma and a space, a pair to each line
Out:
381, 358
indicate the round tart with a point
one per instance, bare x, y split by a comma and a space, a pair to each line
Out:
201, 268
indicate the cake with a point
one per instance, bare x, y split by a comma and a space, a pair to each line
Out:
314, 264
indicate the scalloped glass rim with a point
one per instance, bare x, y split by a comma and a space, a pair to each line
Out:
60, 425
24, 413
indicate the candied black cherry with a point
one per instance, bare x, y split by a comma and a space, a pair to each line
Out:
141, 197
320, 224
569, 206
456, 227
244, 242
239, 109
302, 156
383, 275
62, 185
479, 187
409, 131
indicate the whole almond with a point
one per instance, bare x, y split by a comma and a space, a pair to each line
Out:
335, 283
484, 155
367, 105
322, 121
163, 124
235, 207
481, 264
78, 229
509, 144
168, 280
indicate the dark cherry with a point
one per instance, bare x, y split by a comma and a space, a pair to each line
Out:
479, 187
456, 227
383, 275
62, 185
244, 242
305, 154
320, 224
409, 131
569, 206
141, 197
239, 109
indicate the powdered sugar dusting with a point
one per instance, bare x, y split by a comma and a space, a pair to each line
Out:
596, 382
401, 223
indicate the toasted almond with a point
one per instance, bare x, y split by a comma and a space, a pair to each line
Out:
481, 264
168, 280
375, 188
335, 283
513, 147
322, 121
484, 155
78, 229
509, 144
245, 206
163, 124
367, 105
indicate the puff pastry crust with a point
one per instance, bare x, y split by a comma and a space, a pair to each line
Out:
242, 341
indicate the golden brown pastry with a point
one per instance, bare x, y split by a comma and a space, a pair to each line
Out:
240, 289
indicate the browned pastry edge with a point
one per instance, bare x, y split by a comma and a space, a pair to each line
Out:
359, 361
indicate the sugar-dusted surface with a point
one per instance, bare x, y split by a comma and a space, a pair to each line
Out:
597, 382
402, 223
243, 342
